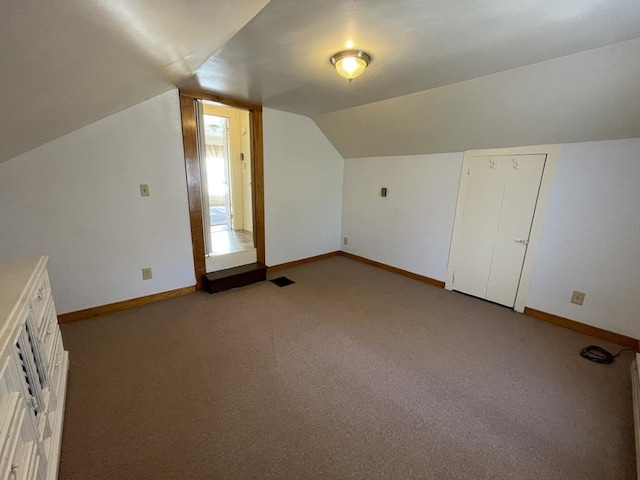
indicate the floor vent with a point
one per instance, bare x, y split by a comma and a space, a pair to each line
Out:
282, 281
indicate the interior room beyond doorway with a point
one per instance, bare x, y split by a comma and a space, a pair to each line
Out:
226, 166
226, 240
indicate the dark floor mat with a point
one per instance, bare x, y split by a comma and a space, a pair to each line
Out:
282, 281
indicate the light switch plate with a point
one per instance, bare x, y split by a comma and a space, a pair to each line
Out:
144, 190
146, 273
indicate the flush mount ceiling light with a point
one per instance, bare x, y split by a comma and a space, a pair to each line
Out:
351, 63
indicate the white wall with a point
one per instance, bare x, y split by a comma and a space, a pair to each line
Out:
591, 237
302, 191
591, 95
411, 227
247, 200
77, 200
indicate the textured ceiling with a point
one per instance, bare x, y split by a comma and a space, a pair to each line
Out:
65, 64
587, 96
281, 57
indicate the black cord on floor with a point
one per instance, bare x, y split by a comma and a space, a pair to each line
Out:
600, 355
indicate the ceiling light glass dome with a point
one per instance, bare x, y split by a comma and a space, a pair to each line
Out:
351, 63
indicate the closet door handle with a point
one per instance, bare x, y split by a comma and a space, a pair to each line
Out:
523, 241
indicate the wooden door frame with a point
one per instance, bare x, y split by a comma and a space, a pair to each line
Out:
192, 167
544, 196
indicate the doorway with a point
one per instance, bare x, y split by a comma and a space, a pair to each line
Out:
222, 141
502, 199
216, 161
227, 201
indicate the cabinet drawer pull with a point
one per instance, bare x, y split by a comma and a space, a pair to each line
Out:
53, 323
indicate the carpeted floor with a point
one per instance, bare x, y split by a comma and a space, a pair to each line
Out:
351, 373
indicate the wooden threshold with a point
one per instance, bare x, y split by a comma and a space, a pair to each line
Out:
302, 261
124, 305
222, 280
389, 268
584, 328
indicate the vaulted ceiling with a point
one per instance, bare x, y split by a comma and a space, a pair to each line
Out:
281, 57
66, 64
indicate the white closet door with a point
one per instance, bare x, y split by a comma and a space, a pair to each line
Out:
518, 206
492, 237
481, 217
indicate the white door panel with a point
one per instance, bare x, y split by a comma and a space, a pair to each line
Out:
479, 225
518, 206
499, 203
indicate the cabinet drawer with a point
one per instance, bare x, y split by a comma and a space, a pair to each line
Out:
40, 298
25, 462
27, 467
55, 355
5, 383
47, 320
10, 433
34, 465
48, 336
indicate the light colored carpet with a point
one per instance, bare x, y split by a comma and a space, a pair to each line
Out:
351, 373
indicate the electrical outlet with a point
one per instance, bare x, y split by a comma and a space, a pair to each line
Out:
578, 297
345, 240
144, 190
146, 273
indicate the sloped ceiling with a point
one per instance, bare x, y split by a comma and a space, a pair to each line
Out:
281, 57
446, 75
587, 96
66, 64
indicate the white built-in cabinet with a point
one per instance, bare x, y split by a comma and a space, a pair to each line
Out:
33, 372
